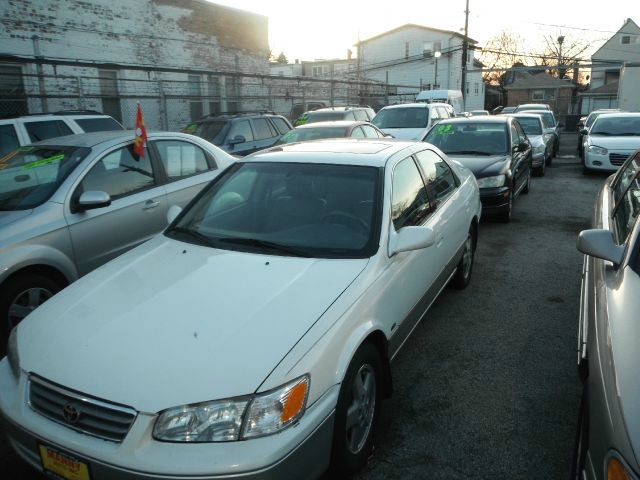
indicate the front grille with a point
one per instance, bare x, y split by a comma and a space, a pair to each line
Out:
95, 417
618, 158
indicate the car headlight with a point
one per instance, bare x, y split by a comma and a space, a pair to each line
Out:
236, 418
597, 150
12, 352
491, 182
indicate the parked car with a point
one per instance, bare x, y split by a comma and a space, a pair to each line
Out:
610, 140
253, 339
608, 434
70, 204
241, 133
541, 142
22, 130
338, 129
478, 113
411, 121
496, 149
507, 110
532, 106
551, 126
586, 125
331, 114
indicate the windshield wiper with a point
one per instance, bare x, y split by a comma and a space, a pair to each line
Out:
469, 152
264, 244
601, 133
194, 234
628, 134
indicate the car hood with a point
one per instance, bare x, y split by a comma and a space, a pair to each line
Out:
624, 332
172, 323
405, 133
8, 217
484, 166
618, 143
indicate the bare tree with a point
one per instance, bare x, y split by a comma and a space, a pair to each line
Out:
561, 51
502, 51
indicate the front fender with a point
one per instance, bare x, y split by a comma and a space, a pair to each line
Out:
23, 256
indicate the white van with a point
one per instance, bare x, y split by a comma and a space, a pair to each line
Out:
411, 121
18, 131
452, 97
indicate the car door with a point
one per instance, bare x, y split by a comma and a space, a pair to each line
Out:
187, 168
136, 213
411, 277
241, 128
264, 134
517, 157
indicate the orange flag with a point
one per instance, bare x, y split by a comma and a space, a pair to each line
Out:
141, 134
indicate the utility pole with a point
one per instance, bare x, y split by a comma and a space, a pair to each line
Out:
560, 71
465, 47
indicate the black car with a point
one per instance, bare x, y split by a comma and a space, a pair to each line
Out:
241, 133
497, 151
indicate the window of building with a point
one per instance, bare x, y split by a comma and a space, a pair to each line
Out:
476, 88
213, 85
467, 87
537, 95
13, 100
233, 93
110, 94
195, 97
629, 39
549, 94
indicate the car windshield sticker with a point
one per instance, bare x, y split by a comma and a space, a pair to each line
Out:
44, 161
444, 130
288, 136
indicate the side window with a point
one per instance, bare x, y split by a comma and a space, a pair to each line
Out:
361, 115
409, 201
261, 127
438, 175
349, 116
515, 137
181, 159
281, 125
521, 134
241, 128
47, 129
8, 139
369, 131
627, 210
357, 133
626, 176
120, 173
434, 114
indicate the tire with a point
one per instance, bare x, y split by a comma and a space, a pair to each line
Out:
22, 295
585, 170
581, 442
464, 269
361, 393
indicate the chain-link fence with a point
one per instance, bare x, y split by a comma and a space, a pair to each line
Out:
172, 100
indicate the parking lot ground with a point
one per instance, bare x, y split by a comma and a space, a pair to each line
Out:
486, 388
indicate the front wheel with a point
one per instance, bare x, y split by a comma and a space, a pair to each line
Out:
357, 412
462, 276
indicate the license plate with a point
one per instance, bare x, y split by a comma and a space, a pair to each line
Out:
63, 465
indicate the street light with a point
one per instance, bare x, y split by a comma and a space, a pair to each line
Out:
435, 80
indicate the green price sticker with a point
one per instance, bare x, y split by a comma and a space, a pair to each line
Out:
44, 161
444, 130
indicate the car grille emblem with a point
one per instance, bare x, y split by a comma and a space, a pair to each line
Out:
71, 414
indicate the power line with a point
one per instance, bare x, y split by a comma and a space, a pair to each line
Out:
585, 29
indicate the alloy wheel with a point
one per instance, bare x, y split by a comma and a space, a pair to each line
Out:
361, 411
26, 302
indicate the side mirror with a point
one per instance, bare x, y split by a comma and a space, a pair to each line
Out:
237, 139
584, 131
599, 243
411, 238
172, 213
521, 147
93, 199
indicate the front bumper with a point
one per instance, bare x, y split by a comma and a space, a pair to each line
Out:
494, 200
610, 162
302, 451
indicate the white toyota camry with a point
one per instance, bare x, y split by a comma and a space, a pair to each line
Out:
252, 339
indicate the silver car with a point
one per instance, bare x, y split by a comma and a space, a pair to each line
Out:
70, 204
608, 436
551, 126
542, 142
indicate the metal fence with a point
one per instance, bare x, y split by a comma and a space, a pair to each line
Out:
172, 100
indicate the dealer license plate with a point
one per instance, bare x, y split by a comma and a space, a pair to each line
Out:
62, 465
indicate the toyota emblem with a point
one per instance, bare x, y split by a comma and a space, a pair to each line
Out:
71, 414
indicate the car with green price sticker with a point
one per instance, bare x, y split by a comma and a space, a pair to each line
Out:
70, 204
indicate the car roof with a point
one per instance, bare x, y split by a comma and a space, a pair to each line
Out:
536, 112
619, 115
415, 104
343, 108
522, 115
343, 151
96, 138
479, 119
233, 116
333, 123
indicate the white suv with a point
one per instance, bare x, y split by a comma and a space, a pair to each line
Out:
19, 131
411, 121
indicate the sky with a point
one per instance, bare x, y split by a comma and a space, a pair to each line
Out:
322, 29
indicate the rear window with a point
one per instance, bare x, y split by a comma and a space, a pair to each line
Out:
531, 126
214, 131
47, 129
8, 139
411, 117
280, 124
98, 124
324, 116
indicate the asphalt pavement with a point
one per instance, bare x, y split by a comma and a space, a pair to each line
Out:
486, 387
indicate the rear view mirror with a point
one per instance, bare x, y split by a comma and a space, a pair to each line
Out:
93, 199
599, 243
411, 238
584, 131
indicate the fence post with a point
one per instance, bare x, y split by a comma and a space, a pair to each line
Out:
81, 103
164, 121
270, 102
386, 89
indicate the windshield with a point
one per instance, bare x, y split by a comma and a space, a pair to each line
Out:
411, 117
30, 175
214, 131
303, 134
531, 126
293, 209
617, 126
469, 138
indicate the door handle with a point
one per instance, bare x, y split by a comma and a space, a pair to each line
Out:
150, 204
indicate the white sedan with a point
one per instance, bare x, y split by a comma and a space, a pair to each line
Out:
252, 339
610, 141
